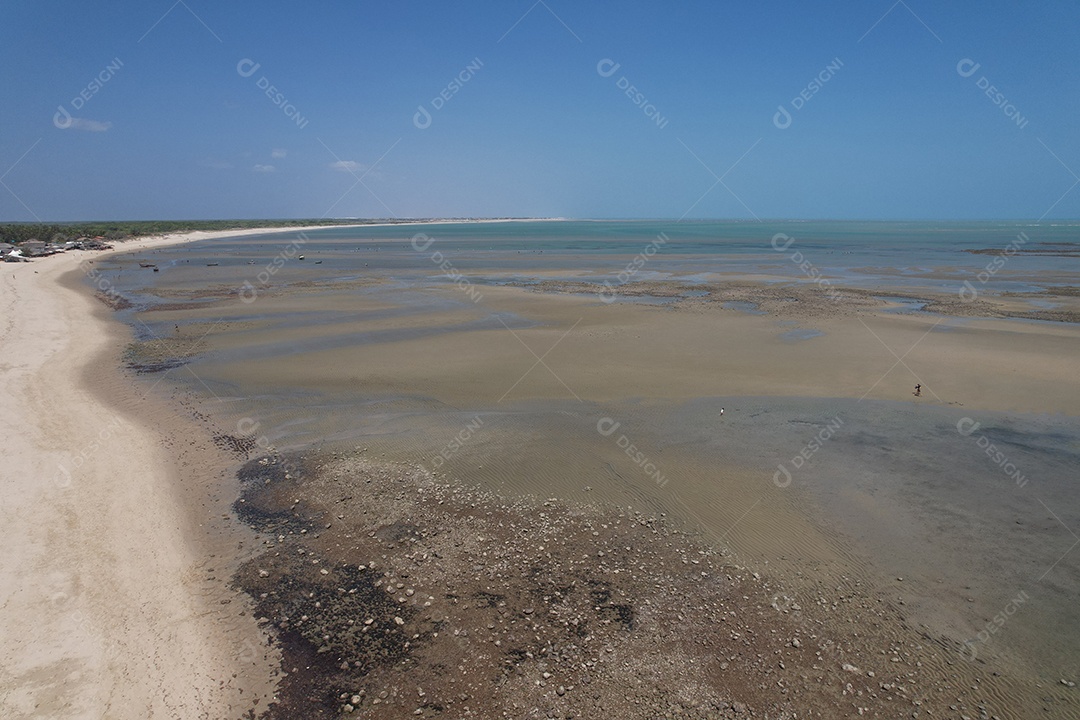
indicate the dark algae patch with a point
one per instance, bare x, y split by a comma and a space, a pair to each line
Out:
335, 627
395, 595
160, 354
241, 446
267, 502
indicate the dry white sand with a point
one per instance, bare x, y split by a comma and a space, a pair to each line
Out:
105, 605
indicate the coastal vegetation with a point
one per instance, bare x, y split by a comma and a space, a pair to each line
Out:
17, 233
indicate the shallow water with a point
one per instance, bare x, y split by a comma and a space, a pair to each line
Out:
801, 334
746, 307
823, 487
904, 304
895, 489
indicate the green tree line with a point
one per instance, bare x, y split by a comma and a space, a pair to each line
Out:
118, 230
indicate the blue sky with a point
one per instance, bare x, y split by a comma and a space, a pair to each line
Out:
156, 109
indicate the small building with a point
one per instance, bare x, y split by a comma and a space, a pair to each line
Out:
34, 248
88, 244
5, 248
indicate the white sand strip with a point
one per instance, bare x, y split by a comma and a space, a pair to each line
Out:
104, 608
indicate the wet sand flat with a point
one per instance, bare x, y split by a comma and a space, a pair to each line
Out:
605, 351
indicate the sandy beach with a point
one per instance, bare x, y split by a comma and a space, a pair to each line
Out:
111, 607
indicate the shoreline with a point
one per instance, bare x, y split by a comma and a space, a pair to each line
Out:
113, 604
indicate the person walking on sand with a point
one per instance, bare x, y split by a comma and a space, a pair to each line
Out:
918, 390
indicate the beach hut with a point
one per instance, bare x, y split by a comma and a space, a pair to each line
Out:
34, 248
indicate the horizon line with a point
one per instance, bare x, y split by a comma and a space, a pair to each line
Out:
497, 218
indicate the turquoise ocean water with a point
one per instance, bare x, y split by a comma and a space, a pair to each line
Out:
919, 254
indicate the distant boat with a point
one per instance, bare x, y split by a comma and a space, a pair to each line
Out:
212, 264
300, 258
147, 265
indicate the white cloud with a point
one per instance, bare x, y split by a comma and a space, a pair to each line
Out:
264, 168
278, 153
90, 125
349, 166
